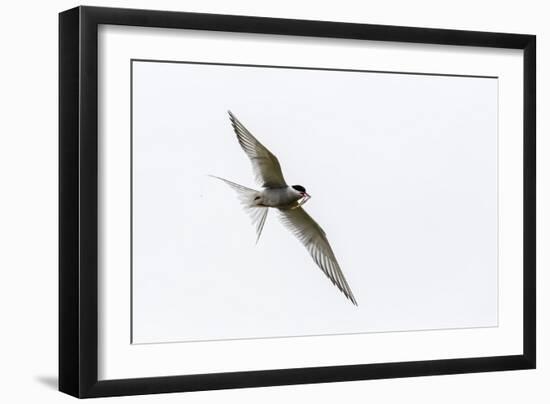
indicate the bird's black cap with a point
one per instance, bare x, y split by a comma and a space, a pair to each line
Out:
299, 188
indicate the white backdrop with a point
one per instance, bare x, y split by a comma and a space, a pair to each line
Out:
29, 204
401, 168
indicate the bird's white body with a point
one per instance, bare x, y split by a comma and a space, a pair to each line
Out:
283, 197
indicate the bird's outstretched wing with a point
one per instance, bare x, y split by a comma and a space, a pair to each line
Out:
312, 236
265, 165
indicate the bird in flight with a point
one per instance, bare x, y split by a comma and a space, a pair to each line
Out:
288, 201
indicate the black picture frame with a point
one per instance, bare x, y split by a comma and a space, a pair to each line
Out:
78, 201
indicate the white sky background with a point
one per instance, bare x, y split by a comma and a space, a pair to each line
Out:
402, 170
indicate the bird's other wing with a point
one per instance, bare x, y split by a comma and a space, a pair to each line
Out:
312, 236
265, 165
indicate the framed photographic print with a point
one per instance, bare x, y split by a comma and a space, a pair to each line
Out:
251, 201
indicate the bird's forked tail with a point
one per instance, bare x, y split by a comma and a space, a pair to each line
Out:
247, 196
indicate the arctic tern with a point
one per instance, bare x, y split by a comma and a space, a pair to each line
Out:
288, 201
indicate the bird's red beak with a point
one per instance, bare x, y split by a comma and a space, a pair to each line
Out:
305, 197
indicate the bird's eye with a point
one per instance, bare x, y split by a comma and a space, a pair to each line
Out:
256, 198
